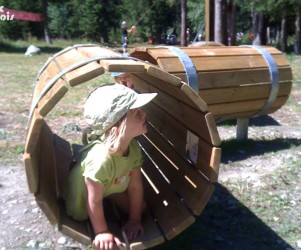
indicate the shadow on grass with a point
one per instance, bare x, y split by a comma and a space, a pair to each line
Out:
227, 224
260, 121
264, 120
8, 48
233, 150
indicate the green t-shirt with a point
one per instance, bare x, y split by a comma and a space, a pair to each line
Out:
113, 172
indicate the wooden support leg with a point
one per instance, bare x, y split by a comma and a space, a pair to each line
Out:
242, 129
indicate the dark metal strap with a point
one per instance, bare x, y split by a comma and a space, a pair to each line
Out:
274, 76
191, 73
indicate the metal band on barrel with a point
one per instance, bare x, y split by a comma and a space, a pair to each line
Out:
191, 73
274, 76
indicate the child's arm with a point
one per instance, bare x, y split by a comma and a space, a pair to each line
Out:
103, 238
135, 191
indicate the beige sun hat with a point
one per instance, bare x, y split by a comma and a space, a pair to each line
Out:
107, 104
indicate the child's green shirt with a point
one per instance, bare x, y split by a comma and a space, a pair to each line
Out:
113, 172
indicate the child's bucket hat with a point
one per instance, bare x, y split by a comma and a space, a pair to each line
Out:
107, 104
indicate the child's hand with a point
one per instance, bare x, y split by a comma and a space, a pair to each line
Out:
132, 229
106, 241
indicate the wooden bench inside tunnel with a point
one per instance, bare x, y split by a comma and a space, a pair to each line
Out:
181, 149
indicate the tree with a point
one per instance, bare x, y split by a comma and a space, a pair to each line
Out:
231, 22
218, 27
45, 23
196, 17
297, 45
183, 23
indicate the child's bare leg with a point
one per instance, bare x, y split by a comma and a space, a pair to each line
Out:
121, 200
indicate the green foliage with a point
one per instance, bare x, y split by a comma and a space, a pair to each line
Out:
59, 25
196, 16
100, 20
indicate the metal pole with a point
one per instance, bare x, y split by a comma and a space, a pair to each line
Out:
242, 129
207, 20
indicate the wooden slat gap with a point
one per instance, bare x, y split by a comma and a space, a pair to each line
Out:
188, 161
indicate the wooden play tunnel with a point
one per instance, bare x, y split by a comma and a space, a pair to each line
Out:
181, 148
235, 82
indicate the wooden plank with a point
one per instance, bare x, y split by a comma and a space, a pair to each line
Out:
146, 84
168, 210
95, 51
33, 132
77, 230
173, 105
63, 161
168, 97
51, 71
222, 63
122, 65
68, 58
32, 152
219, 51
142, 56
225, 51
170, 111
52, 97
46, 195
217, 79
194, 97
162, 75
32, 174
202, 154
187, 181
249, 114
244, 106
212, 129
84, 74
151, 237
115, 219
242, 93
81, 74
172, 130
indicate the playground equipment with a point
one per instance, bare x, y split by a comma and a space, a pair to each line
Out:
181, 148
237, 82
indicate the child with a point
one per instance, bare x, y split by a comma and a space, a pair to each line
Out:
110, 165
123, 78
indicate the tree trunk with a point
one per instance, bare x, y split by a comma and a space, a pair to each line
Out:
283, 42
258, 28
45, 23
232, 23
183, 23
297, 47
218, 34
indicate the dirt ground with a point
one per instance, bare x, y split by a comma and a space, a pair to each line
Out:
24, 226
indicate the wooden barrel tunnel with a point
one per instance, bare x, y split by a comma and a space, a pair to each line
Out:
181, 148
235, 82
